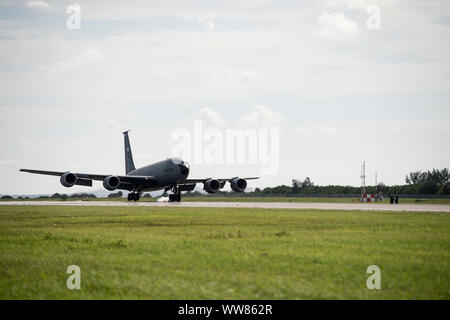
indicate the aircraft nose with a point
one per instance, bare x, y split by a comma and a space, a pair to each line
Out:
184, 169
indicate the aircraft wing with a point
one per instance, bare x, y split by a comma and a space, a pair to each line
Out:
58, 174
127, 182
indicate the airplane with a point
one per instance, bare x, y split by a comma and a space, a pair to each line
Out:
170, 174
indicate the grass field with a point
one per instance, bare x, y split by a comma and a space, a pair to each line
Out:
193, 253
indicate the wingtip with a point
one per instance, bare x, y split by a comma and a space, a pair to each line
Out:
126, 132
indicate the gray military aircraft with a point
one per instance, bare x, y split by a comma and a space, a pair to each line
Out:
170, 175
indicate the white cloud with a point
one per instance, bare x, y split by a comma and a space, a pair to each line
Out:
211, 118
317, 129
350, 4
90, 55
38, 4
241, 77
336, 26
357, 4
87, 57
207, 21
262, 117
109, 127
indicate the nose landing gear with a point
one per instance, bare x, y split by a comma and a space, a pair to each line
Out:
176, 196
133, 196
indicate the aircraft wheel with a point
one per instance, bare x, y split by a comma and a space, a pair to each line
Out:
130, 196
136, 197
178, 198
172, 198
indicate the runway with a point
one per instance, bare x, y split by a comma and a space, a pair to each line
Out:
262, 205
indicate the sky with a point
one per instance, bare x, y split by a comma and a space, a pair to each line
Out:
339, 82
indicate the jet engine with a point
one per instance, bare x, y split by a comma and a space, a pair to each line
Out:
238, 184
68, 179
111, 183
211, 186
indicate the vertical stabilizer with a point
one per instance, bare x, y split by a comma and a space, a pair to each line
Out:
129, 163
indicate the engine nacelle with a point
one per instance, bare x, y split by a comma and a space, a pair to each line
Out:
238, 184
68, 179
111, 183
211, 186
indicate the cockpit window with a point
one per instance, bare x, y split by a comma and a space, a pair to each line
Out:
176, 161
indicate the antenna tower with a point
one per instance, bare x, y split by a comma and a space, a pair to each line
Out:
363, 178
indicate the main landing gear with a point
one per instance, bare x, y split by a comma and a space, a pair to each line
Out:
133, 196
176, 196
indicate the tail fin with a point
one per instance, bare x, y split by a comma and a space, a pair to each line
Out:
129, 163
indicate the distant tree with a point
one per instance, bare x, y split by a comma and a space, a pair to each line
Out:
445, 189
445, 175
296, 186
56, 196
430, 182
278, 190
118, 194
6, 197
435, 176
428, 188
83, 195
416, 177
307, 183
382, 187
438, 176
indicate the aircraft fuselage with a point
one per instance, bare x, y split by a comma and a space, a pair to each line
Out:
165, 173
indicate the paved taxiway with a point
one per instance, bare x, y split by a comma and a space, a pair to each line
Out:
264, 205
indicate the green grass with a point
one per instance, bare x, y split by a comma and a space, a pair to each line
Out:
202, 253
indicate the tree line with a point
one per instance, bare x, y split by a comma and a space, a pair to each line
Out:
432, 182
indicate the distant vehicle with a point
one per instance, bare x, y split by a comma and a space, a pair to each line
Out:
170, 175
